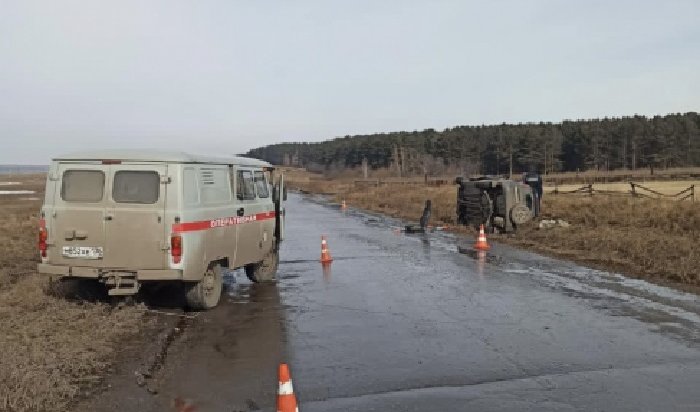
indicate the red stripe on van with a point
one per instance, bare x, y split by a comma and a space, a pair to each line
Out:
220, 222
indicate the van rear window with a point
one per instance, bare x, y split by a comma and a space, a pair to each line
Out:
82, 186
136, 186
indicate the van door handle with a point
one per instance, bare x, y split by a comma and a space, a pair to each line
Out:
109, 217
241, 212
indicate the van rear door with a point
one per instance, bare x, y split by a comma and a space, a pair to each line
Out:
134, 217
77, 222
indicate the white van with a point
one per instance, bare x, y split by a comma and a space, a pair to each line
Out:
125, 218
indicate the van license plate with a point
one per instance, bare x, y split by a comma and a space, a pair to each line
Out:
82, 252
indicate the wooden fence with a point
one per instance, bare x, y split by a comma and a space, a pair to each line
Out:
637, 190
642, 191
427, 181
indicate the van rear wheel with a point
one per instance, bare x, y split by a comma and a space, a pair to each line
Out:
266, 269
206, 293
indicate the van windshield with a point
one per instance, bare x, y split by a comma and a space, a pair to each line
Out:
82, 186
136, 186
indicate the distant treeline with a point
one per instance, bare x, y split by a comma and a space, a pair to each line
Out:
603, 144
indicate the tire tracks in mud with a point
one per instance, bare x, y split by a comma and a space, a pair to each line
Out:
139, 366
147, 375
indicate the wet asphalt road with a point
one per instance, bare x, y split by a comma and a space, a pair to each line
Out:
405, 323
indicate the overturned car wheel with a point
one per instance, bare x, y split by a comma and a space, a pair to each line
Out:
520, 215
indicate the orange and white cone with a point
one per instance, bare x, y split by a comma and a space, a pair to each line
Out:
481, 243
325, 254
286, 401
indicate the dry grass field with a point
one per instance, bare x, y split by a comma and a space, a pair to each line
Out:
53, 350
646, 238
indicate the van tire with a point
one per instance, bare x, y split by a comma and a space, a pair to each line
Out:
266, 269
206, 293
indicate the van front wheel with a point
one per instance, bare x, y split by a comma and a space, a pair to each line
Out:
206, 293
266, 269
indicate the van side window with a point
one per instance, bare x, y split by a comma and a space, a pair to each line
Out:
82, 185
190, 192
136, 186
261, 185
214, 185
245, 186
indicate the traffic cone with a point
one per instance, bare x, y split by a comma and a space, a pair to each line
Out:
481, 243
286, 401
325, 254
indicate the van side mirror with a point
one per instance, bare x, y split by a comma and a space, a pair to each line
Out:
284, 195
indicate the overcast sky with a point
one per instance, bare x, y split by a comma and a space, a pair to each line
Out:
226, 76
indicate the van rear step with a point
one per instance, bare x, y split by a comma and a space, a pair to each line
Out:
121, 283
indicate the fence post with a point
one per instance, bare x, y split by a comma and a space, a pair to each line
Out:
692, 193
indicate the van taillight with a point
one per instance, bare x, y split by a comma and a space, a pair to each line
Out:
43, 236
176, 248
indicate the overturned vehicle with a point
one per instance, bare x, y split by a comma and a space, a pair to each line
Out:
501, 205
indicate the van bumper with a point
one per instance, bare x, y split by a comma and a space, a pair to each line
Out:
159, 274
96, 273
54, 270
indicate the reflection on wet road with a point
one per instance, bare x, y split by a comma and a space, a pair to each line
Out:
405, 322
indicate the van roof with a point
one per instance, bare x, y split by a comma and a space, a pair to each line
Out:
160, 156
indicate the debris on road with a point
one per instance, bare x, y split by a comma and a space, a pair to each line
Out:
552, 223
424, 225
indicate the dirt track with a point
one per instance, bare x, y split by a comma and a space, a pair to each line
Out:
220, 359
406, 323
